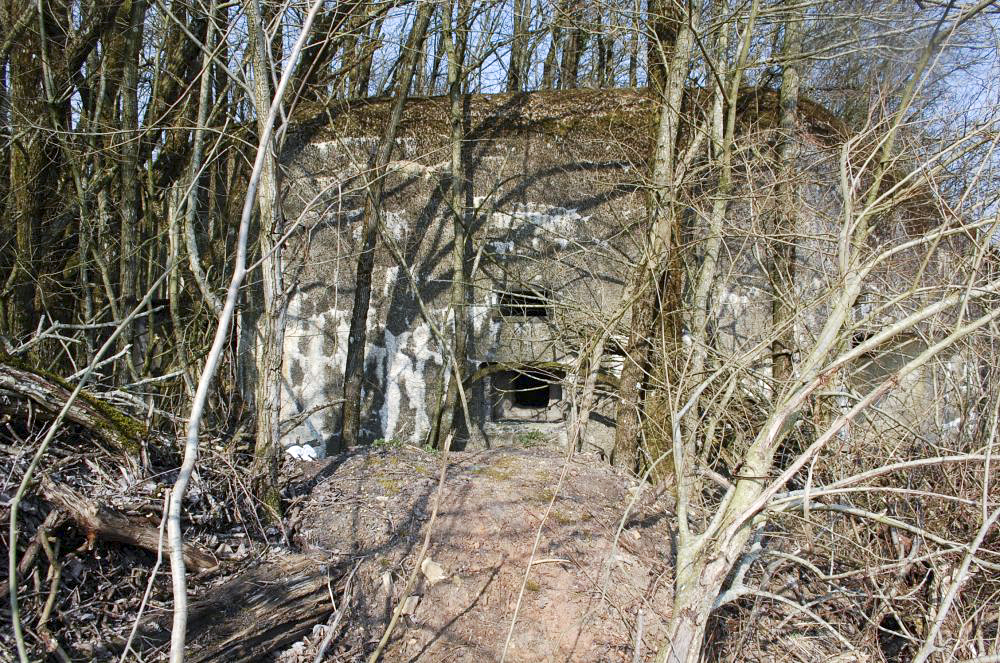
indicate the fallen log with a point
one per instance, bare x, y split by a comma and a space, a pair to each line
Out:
253, 615
50, 393
99, 521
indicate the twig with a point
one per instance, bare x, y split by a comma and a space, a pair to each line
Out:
149, 583
804, 610
51, 521
12, 569
299, 417
177, 569
637, 650
420, 557
551, 560
963, 574
331, 628
103, 362
55, 572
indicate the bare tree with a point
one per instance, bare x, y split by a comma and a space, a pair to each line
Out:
354, 369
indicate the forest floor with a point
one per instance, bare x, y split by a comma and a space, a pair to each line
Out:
273, 592
581, 598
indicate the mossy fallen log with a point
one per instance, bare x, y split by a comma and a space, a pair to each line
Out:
49, 393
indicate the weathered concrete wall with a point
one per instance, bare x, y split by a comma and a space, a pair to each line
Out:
558, 212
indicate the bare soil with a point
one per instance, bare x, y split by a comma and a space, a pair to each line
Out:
582, 595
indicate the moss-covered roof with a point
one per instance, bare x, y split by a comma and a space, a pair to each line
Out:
622, 113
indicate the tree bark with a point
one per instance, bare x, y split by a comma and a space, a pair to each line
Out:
518, 69
574, 44
664, 21
357, 339
253, 615
455, 44
128, 279
50, 394
100, 521
31, 179
270, 323
655, 284
782, 263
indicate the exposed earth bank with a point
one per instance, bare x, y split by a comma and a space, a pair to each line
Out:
582, 596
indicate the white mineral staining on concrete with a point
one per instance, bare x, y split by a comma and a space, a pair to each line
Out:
415, 169
346, 145
396, 223
479, 314
501, 248
735, 301
563, 222
402, 361
390, 279
317, 367
544, 223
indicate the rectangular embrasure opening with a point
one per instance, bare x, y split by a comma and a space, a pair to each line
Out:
523, 304
526, 394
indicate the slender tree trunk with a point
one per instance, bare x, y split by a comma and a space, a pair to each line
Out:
315, 71
550, 69
270, 324
633, 53
31, 177
368, 43
517, 72
455, 43
782, 263
573, 46
592, 364
357, 338
129, 150
664, 20
655, 284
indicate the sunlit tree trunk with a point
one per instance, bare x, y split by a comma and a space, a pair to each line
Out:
518, 69
655, 282
782, 263
270, 323
455, 44
357, 337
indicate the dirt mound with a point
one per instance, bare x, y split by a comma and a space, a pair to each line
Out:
581, 599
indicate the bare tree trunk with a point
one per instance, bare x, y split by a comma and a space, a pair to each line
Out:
367, 44
573, 45
633, 53
30, 177
517, 72
592, 364
270, 324
655, 284
455, 38
315, 72
357, 338
782, 263
664, 21
550, 67
130, 234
